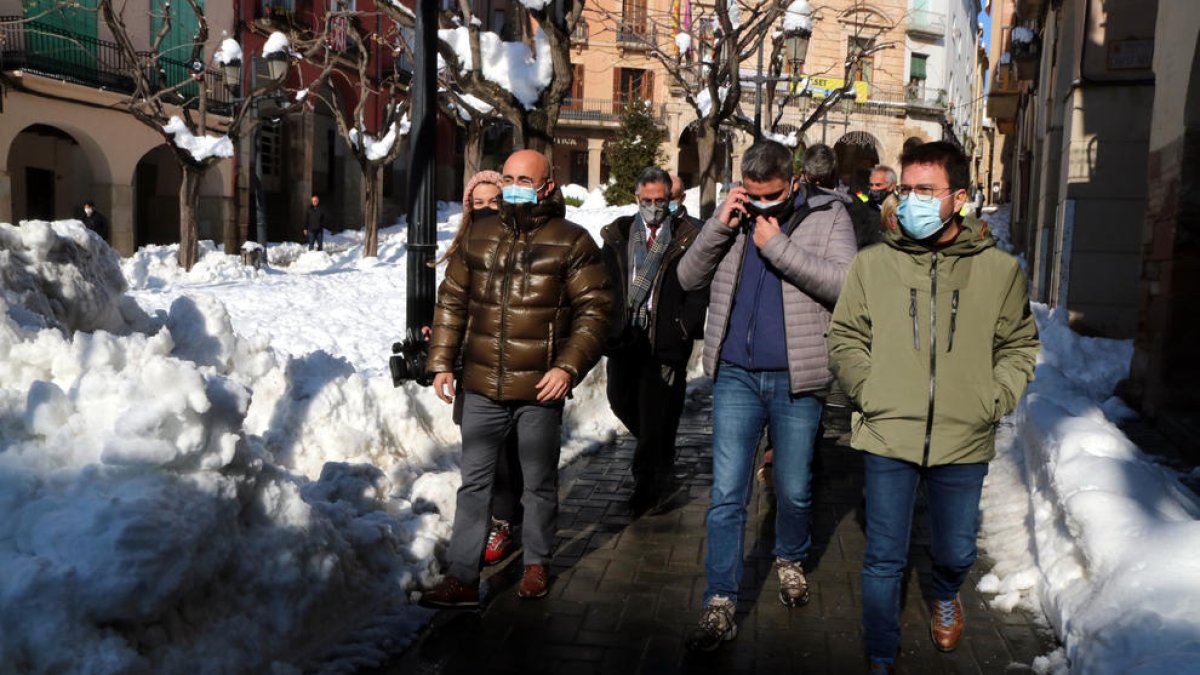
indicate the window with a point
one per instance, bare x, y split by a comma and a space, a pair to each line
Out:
575, 102
633, 84
916, 76
633, 21
498, 21
270, 149
866, 65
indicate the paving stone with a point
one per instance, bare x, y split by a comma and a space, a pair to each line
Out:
627, 588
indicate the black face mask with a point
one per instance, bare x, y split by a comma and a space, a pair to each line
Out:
877, 196
779, 212
483, 213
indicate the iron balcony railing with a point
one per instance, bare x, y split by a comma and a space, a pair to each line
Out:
601, 110
48, 50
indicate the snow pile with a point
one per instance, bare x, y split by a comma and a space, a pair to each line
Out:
798, 18
60, 275
508, 64
1083, 526
704, 99
164, 508
735, 13
535, 5
199, 147
377, 149
789, 139
277, 42
229, 52
683, 42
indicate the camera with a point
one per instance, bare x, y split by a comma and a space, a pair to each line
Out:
408, 362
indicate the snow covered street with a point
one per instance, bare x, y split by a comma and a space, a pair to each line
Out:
209, 471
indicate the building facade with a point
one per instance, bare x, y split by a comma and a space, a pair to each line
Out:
1096, 107
65, 139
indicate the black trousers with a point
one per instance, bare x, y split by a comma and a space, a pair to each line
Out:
646, 394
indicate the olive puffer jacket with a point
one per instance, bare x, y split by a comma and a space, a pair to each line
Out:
526, 291
933, 347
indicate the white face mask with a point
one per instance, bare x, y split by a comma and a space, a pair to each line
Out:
87, 210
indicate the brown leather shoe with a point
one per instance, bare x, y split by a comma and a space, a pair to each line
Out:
947, 624
450, 593
535, 583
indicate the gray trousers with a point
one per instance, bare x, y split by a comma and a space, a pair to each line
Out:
485, 426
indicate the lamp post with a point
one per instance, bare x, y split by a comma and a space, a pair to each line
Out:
797, 48
231, 73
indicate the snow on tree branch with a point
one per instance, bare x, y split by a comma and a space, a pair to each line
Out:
510, 65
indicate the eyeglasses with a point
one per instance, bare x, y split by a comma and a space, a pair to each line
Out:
925, 193
653, 202
522, 181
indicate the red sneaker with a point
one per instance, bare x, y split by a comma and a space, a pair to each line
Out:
500, 542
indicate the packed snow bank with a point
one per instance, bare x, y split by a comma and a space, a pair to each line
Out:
155, 520
1084, 527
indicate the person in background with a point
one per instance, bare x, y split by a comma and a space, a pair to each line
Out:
677, 208
934, 341
526, 300
883, 183
481, 199
94, 220
314, 224
654, 325
776, 259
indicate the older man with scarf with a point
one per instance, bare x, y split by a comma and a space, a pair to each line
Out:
654, 323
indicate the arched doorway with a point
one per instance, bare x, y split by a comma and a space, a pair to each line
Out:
857, 153
156, 183
50, 173
689, 159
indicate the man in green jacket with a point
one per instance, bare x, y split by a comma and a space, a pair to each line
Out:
933, 339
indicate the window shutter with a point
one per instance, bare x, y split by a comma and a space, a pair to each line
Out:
918, 67
648, 86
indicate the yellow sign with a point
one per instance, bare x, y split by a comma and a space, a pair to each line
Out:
821, 87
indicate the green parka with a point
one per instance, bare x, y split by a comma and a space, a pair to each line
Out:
933, 347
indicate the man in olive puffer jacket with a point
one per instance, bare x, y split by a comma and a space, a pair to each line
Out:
934, 341
526, 297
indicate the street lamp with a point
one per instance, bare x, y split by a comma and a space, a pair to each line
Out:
231, 74
797, 49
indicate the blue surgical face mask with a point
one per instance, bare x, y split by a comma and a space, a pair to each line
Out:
673, 207
516, 194
921, 219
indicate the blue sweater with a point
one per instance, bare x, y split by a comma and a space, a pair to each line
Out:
756, 339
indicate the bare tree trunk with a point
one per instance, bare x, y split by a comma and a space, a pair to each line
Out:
372, 198
189, 199
706, 154
473, 151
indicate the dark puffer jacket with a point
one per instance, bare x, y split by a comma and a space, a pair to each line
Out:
527, 291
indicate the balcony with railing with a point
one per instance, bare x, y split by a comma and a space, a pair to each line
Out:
635, 31
1005, 91
925, 24
600, 112
48, 50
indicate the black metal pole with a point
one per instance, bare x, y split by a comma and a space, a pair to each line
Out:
256, 187
758, 83
422, 211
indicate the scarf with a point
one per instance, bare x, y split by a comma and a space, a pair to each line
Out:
645, 265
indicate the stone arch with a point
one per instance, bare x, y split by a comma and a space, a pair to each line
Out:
156, 181
857, 153
53, 170
689, 160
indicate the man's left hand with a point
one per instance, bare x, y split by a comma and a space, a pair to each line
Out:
554, 385
764, 230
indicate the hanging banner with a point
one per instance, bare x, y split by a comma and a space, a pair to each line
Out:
822, 87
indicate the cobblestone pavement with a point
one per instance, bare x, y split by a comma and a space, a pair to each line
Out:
626, 589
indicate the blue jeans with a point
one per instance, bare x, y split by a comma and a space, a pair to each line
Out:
953, 493
743, 403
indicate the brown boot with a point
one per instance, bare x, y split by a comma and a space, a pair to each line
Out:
450, 593
946, 627
535, 583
